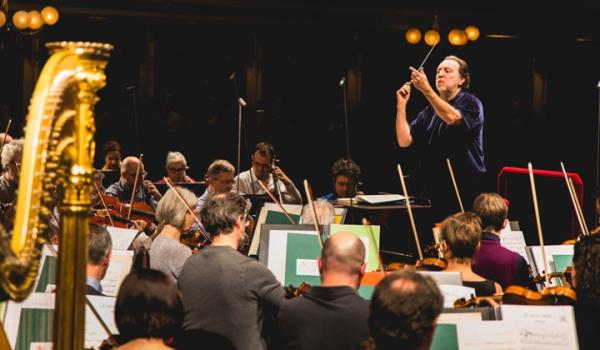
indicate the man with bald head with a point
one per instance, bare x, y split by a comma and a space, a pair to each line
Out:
146, 192
333, 315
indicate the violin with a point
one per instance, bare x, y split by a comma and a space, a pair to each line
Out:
474, 301
292, 292
110, 218
139, 210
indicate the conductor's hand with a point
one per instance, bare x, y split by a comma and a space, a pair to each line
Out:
402, 95
419, 80
280, 175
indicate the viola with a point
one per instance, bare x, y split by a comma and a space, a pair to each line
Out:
518, 295
112, 218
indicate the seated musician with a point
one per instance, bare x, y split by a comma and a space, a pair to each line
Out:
460, 235
167, 253
325, 213
403, 313
333, 315
346, 176
176, 166
271, 176
146, 192
99, 252
111, 152
586, 281
219, 179
492, 260
11, 162
225, 292
148, 311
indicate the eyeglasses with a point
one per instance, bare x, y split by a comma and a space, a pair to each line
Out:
225, 182
177, 170
142, 175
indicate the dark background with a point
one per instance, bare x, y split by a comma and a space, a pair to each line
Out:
180, 54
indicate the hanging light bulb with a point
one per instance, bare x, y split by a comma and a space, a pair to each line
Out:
472, 33
454, 37
2, 19
21, 19
432, 37
50, 15
413, 36
35, 20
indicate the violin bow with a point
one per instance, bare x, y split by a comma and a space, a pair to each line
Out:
538, 222
369, 229
460, 204
410, 213
5, 134
309, 195
276, 201
137, 175
104, 204
189, 209
575, 201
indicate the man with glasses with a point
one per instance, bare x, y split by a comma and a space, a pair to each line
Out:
272, 177
219, 179
176, 165
146, 192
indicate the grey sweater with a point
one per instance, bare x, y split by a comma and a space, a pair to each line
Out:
168, 255
227, 293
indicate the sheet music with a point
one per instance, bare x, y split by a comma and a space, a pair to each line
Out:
12, 320
118, 269
94, 333
514, 241
487, 335
121, 237
456, 317
543, 327
295, 209
452, 292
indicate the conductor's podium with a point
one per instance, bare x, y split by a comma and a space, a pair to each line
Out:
559, 220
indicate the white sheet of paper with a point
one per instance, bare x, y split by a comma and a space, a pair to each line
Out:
13, 313
121, 237
278, 252
118, 269
380, 198
307, 267
515, 241
452, 292
94, 333
487, 335
40, 346
543, 327
455, 317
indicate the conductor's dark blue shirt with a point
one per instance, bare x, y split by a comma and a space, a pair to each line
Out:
461, 143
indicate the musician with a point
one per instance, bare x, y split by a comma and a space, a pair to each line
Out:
225, 292
219, 179
99, 253
111, 153
460, 235
11, 163
176, 166
325, 213
148, 311
586, 281
333, 315
264, 170
492, 260
146, 191
346, 176
451, 126
167, 253
403, 312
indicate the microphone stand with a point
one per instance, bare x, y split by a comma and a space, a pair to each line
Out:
342, 84
597, 154
241, 104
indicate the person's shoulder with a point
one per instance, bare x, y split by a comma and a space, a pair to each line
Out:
465, 97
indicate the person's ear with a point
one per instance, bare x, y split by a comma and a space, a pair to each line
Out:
504, 223
320, 264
